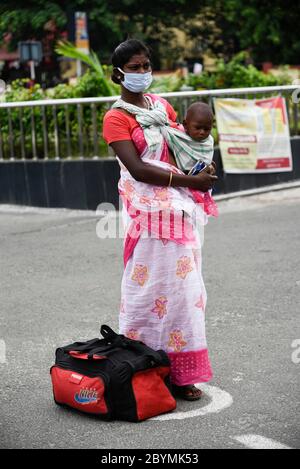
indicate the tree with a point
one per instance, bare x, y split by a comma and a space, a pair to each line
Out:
268, 29
109, 21
29, 22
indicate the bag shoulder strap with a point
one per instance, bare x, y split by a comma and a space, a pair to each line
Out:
110, 340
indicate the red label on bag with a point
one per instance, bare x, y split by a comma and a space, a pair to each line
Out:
75, 378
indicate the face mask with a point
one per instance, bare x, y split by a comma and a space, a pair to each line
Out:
136, 82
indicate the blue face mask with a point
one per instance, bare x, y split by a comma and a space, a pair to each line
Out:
136, 82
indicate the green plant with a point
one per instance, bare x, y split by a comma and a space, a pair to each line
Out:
236, 74
67, 49
167, 84
61, 91
22, 90
89, 84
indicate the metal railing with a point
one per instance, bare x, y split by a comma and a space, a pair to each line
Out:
72, 128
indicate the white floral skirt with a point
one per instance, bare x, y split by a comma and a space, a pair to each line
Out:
163, 301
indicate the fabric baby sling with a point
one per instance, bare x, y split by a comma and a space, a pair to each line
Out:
156, 128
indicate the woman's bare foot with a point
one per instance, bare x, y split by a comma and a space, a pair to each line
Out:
188, 392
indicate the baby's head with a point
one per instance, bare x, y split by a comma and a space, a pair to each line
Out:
198, 121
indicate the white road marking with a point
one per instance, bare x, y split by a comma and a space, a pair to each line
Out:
220, 400
259, 442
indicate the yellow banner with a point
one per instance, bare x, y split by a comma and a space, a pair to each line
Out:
82, 38
254, 135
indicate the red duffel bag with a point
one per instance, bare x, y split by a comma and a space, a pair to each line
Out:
113, 378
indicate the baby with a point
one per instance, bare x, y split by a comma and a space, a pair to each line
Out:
197, 124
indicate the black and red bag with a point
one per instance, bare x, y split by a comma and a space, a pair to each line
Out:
114, 378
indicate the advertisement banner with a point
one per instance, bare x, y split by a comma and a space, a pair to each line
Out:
81, 32
254, 135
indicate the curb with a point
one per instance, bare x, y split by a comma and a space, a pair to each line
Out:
257, 191
67, 212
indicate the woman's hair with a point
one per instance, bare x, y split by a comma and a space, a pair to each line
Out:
124, 52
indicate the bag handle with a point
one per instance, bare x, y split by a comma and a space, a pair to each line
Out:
111, 338
100, 344
122, 341
82, 346
108, 334
95, 346
98, 350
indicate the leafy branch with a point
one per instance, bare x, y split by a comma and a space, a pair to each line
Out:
67, 49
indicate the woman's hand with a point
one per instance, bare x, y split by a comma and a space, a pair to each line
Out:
150, 174
204, 181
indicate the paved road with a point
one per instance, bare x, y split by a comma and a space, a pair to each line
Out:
59, 281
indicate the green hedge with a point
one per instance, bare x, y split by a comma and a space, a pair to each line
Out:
236, 74
89, 85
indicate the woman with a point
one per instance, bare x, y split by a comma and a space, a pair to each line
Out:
163, 296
